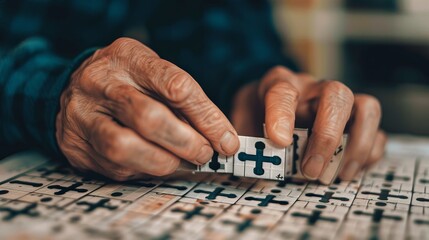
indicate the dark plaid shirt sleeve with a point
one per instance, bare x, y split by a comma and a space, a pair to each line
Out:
223, 44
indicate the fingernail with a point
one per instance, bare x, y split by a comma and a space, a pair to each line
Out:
282, 131
313, 167
229, 143
205, 154
351, 170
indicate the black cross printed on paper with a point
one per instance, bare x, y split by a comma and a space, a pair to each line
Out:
384, 194
215, 193
194, 212
242, 226
378, 215
390, 176
267, 200
33, 184
259, 158
326, 197
63, 190
102, 203
28, 210
314, 217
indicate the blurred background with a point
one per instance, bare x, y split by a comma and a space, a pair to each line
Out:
379, 47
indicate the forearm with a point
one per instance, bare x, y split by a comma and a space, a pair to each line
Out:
32, 78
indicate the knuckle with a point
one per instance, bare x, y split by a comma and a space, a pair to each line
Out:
340, 89
120, 93
180, 87
279, 70
124, 43
371, 104
116, 147
286, 91
153, 116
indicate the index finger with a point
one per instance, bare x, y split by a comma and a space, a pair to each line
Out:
179, 90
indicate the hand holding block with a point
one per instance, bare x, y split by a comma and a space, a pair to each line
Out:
259, 158
334, 166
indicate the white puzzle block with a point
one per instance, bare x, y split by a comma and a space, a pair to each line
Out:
218, 163
335, 164
378, 204
327, 197
295, 152
418, 227
385, 195
259, 158
420, 199
300, 139
374, 223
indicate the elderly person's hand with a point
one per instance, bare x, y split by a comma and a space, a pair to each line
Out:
127, 112
327, 107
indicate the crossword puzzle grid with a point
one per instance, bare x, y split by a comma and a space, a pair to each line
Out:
50, 201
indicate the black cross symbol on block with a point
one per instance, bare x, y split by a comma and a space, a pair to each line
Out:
73, 187
390, 176
327, 196
194, 212
259, 158
215, 193
314, 217
384, 194
267, 200
295, 154
214, 164
377, 215
102, 203
12, 213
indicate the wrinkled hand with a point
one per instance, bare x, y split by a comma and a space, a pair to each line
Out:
127, 112
327, 107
